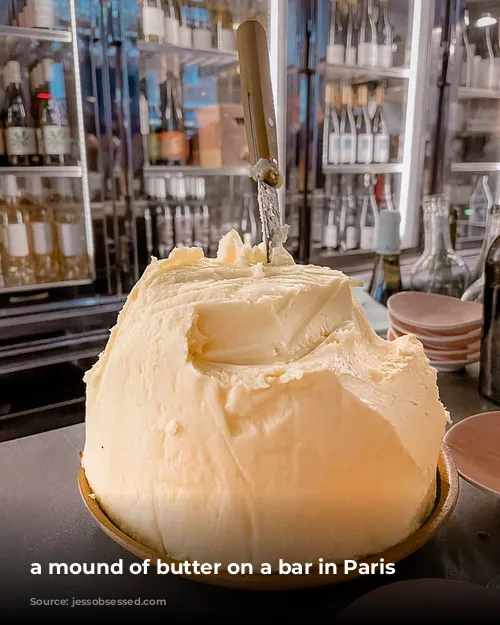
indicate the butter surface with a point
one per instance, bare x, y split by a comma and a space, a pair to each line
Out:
246, 412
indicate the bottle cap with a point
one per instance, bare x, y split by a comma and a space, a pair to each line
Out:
161, 188
10, 185
34, 186
387, 239
14, 71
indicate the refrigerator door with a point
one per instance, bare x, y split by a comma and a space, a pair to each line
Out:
370, 73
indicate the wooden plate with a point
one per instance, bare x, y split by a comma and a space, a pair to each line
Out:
475, 446
447, 494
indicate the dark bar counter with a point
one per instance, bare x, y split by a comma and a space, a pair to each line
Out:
43, 519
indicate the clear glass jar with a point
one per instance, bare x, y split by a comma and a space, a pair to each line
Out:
439, 269
475, 291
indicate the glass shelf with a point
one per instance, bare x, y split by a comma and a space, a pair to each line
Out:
373, 168
37, 34
355, 74
49, 171
208, 59
9, 290
474, 167
191, 170
468, 93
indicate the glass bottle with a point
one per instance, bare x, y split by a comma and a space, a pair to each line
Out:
480, 205
475, 291
202, 34
185, 30
369, 215
385, 35
439, 269
364, 135
347, 128
351, 33
335, 50
73, 260
332, 217
19, 127
42, 225
317, 216
183, 216
18, 267
248, 221
386, 276
467, 63
52, 120
367, 42
349, 228
381, 138
331, 129
201, 217
172, 136
171, 21
223, 22
151, 21
489, 368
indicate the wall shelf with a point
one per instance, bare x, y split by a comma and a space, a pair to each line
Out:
373, 168
211, 58
474, 167
356, 74
154, 171
37, 34
54, 171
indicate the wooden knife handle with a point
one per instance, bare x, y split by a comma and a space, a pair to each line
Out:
256, 92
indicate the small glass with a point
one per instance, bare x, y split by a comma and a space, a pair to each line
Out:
439, 269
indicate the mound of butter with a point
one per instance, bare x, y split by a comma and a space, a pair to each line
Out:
246, 412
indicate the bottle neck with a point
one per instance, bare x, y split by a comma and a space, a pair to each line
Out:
437, 233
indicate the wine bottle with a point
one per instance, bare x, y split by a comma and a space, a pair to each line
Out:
224, 33
466, 67
202, 34
151, 21
381, 138
489, 368
349, 228
53, 121
332, 217
172, 138
185, 29
364, 153
385, 35
386, 275
201, 217
331, 130
183, 218
367, 42
347, 128
73, 260
480, 203
351, 33
369, 215
41, 221
163, 217
19, 128
18, 268
335, 50
171, 22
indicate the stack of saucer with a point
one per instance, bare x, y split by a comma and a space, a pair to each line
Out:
449, 329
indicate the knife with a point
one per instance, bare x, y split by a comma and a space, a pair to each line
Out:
260, 127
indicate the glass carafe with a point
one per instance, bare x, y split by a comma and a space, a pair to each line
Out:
474, 292
439, 269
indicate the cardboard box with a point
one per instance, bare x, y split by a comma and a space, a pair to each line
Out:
222, 139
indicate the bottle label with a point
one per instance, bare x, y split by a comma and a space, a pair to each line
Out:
331, 238
70, 239
227, 39
42, 237
185, 37
247, 238
202, 38
367, 54
39, 141
152, 22
335, 54
172, 31
20, 141
351, 237
55, 140
17, 240
173, 145
365, 148
381, 149
334, 148
348, 148
385, 56
42, 13
367, 238
350, 55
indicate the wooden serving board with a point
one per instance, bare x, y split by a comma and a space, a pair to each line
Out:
447, 495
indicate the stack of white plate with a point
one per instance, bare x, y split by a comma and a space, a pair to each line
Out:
449, 329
